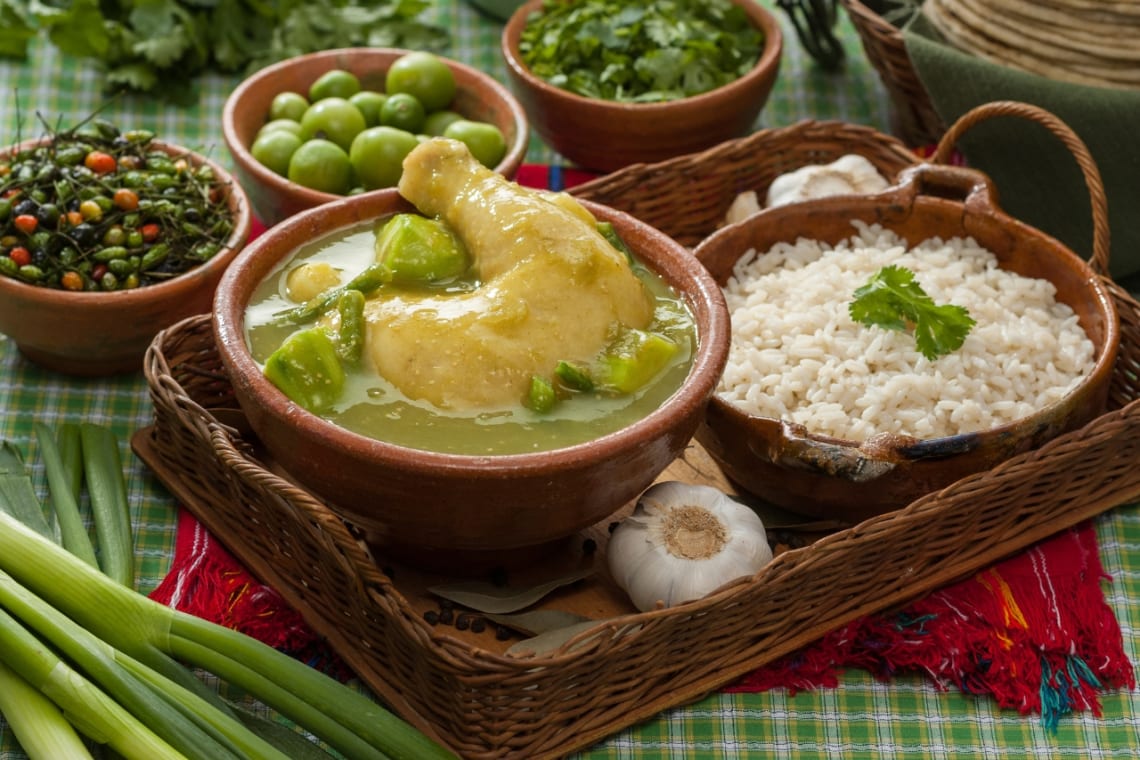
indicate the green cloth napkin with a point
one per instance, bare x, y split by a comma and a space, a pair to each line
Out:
1036, 176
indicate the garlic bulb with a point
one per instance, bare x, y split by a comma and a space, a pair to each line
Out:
684, 541
849, 174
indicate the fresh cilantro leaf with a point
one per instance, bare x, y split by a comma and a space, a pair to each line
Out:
639, 52
15, 30
894, 300
160, 46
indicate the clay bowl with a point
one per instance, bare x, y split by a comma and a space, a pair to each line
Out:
457, 510
605, 135
106, 333
478, 96
826, 477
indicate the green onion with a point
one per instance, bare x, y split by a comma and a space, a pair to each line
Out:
103, 473
18, 495
152, 633
187, 724
91, 711
71, 455
41, 728
72, 530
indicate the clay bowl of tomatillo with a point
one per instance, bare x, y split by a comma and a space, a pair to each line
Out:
320, 126
470, 385
107, 237
904, 340
655, 107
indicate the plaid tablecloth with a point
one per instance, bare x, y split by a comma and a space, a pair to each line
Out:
863, 718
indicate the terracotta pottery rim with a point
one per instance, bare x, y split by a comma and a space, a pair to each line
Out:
237, 202
516, 150
1105, 353
769, 58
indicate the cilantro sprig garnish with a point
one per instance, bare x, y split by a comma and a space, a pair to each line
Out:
893, 300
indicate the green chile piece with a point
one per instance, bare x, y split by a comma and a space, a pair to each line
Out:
350, 334
634, 359
541, 397
307, 369
614, 239
421, 250
372, 278
574, 377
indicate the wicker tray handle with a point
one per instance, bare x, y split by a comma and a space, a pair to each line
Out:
1100, 255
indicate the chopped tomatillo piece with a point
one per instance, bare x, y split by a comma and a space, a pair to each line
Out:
633, 360
541, 397
421, 250
307, 369
892, 299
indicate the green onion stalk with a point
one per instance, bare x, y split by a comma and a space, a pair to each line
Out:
154, 635
90, 710
39, 725
188, 723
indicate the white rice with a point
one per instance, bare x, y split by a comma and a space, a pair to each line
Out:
798, 356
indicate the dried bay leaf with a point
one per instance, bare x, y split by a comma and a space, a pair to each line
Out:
537, 622
550, 641
491, 599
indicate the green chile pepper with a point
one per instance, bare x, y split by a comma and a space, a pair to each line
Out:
350, 335
541, 397
574, 377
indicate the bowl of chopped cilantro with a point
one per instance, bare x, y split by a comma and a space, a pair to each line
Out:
608, 84
107, 236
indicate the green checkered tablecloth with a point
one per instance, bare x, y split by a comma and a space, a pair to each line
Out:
906, 718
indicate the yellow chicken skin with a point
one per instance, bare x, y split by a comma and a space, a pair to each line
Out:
551, 288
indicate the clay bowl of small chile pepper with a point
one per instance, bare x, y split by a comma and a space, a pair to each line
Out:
106, 238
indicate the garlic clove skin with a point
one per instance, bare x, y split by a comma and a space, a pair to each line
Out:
684, 541
848, 174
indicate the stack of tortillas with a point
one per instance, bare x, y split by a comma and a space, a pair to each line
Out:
1091, 42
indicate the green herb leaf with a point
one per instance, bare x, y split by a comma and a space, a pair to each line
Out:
892, 299
160, 46
640, 52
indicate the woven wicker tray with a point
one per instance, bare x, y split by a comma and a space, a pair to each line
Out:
462, 689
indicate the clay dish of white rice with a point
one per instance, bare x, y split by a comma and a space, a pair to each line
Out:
831, 418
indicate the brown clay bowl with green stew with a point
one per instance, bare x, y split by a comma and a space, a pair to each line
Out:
428, 506
832, 478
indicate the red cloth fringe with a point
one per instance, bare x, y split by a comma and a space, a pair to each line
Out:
206, 581
1034, 632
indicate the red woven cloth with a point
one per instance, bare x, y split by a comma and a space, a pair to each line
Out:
1033, 632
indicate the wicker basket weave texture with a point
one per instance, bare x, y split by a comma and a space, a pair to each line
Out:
913, 118
687, 197
484, 704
